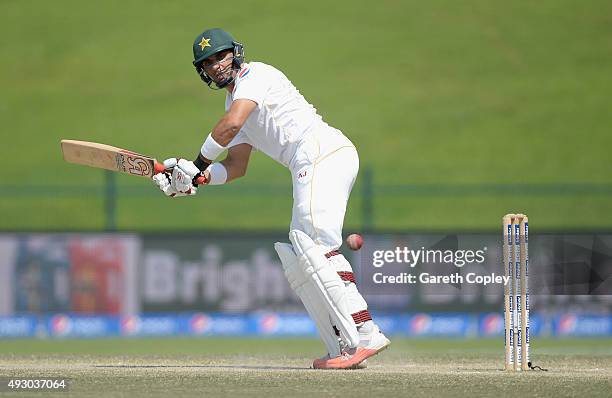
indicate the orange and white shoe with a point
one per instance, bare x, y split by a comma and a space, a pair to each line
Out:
339, 362
343, 361
353, 358
372, 341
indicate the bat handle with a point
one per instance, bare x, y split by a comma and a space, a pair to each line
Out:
159, 168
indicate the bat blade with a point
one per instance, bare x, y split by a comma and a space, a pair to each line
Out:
110, 158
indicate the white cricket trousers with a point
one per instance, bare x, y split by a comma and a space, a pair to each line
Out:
323, 172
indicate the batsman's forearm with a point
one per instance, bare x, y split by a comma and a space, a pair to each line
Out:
233, 170
223, 133
226, 129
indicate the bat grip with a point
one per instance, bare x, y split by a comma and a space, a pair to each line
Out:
159, 168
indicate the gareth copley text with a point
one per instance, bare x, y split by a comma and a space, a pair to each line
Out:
411, 257
427, 278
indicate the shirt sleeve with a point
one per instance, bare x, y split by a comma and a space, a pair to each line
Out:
251, 84
240, 138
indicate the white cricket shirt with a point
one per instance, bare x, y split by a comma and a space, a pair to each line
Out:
282, 117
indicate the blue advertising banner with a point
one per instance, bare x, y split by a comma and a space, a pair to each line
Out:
464, 325
61, 325
575, 325
18, 326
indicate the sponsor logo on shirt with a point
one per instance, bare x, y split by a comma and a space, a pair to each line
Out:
304, 175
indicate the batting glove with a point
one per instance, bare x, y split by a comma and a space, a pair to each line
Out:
177, 180
164, 183
184, 173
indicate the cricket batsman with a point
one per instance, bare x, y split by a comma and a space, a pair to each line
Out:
265, 112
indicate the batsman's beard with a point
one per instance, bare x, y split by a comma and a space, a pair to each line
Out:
224, 76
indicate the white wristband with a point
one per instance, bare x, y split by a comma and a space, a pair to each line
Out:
218, 174
211, 148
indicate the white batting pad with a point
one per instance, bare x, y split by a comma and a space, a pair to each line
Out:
356, 301
330, 288
306, 291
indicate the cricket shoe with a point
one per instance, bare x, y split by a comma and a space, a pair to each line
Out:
344, 361
371, 340
327, 362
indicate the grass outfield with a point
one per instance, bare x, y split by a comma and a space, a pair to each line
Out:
430, 92
279, 367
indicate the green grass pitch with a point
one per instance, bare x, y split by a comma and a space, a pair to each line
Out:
214, 367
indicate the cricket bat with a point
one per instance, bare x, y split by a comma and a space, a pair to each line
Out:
108, 157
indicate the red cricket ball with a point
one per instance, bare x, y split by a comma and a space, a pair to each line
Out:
354, 241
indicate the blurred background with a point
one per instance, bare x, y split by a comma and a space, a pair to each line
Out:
461, 112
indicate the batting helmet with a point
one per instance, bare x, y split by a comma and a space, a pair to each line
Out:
213, 41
